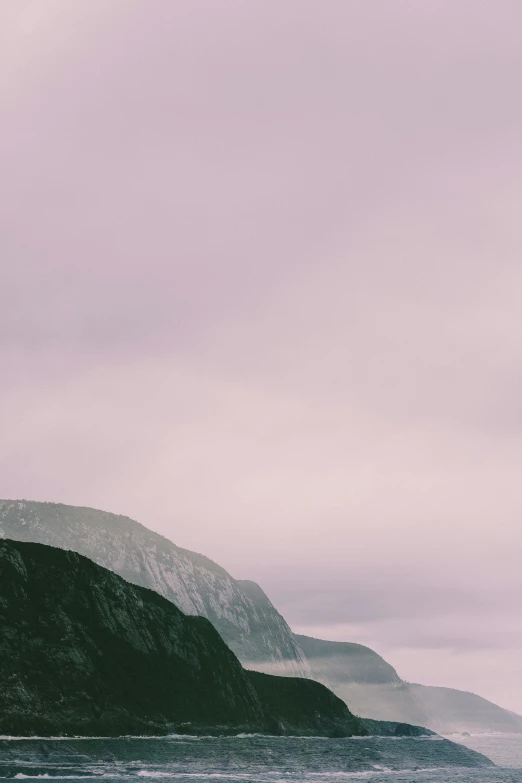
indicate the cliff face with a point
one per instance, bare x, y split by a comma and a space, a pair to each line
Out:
269, 633
252, 628
84, 652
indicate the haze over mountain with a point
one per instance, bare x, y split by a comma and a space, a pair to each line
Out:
248, 621
373, 689
240, 611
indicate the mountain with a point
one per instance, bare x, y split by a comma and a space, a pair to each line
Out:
454, 711
364, 680
84, 652
373, 689
517, 718
243, 615
346, 662
247, 620
306, 707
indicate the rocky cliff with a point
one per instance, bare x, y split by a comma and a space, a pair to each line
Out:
246, 619
84, 652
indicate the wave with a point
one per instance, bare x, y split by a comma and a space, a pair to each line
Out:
46, 776
221, 737
277, 778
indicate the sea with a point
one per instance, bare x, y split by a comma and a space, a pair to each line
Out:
263, 759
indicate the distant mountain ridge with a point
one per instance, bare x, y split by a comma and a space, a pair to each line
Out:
329, 661
251, 627
363, 679
453, 711
373, 689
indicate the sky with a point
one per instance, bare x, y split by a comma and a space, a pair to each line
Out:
261, 289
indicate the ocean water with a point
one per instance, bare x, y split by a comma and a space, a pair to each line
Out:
260, 759
504, 749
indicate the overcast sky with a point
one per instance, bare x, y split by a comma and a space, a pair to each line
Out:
261, 289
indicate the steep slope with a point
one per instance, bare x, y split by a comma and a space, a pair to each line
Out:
457, 711
84, 652
306, 706
373, 689
343, 662
364, 680
254, 630
260, 642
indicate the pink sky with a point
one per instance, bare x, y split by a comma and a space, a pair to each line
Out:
261, 290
